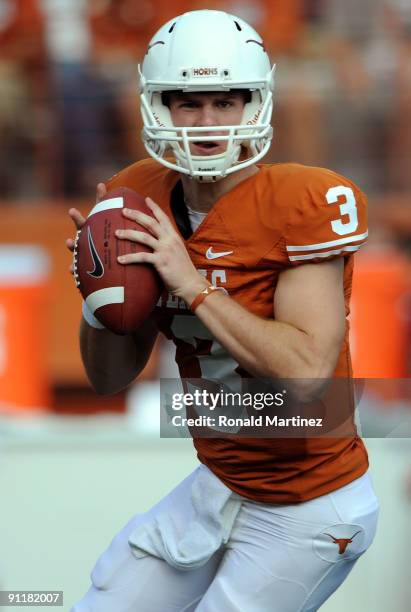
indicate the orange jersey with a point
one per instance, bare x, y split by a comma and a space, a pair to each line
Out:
285, 215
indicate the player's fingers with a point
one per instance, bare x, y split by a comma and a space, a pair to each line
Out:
145, 220
136, 236
70, 244
101, 192
141, 257
77, 218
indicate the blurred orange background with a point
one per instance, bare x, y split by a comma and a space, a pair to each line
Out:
69, 118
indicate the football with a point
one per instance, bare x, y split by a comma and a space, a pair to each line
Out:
120, 296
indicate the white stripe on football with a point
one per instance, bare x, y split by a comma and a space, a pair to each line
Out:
107, 205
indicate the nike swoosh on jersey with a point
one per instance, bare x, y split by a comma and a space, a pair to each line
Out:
98, 264
210, 254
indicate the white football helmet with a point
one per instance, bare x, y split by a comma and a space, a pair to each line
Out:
208, 51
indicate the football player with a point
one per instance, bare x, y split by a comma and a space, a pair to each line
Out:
264, 524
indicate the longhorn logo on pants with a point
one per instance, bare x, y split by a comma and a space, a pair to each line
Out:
342, 542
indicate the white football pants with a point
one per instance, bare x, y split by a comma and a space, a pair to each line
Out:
275, 557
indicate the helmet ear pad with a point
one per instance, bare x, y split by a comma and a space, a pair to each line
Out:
160, 110
252, 112
252, 109
159, 115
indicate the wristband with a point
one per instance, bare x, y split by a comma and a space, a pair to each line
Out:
202, 296
90, 318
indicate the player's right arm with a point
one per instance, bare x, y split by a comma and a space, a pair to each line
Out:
112, 361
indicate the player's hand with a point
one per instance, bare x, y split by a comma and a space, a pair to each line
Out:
169, 256
78, 219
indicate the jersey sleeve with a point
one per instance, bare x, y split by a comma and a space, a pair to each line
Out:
327, 217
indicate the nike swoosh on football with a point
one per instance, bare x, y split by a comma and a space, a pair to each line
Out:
210, 254
98, 264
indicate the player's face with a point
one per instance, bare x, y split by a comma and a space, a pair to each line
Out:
207, 109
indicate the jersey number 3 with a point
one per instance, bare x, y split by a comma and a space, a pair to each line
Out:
349, 208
